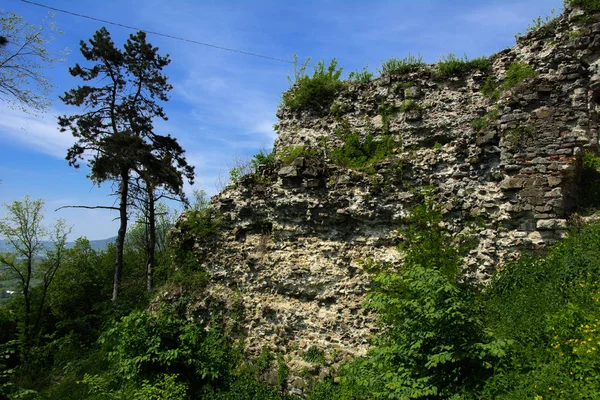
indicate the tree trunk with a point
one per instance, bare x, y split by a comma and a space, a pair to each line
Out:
152, 238
121, 235
27, 299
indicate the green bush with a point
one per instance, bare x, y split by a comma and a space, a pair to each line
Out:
549, 308
361, 76
289, 153
481, 123
587, 5
450, 65
150, 353
361, 153
314, 355
410, 105
401, 65
315, 92
263, 159
433, 343
203, 223
517, 73
490, 88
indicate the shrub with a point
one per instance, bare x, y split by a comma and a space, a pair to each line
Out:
361, 76
386, 111
360, 153
338, 109
289, 153
517, 73
204, 222
587, 5
258, 166
410, 105
149, 353
315, 93
450, 65
314, 355
263, 159
481, 123
549, 309
401, 65
546, 24
490, 88
433, 342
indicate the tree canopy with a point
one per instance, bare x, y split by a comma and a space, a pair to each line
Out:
24, 54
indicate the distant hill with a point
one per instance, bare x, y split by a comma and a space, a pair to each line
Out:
96, 244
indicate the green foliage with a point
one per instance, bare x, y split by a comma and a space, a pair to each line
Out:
401, 65
587, 5
549, 309
547, 23
299, 70
260, 167
289, 153
410, 105
450, 65
314, 355
517, 135
151, 353
316, 92
479, 124
24, 55
589, 189
433, 344
283, 372
386, 111
203, 223
490, 88
263, 159
361, 152
515, 75
361, 76
338, 109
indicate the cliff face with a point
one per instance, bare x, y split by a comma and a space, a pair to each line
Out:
507, 166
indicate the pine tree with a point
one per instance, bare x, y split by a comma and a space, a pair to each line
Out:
116, 133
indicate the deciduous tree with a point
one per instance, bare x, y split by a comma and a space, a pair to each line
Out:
24, 55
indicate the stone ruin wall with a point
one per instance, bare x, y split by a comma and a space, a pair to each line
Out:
290, 251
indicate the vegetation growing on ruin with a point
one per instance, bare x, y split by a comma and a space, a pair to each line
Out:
514, 76
531, 334
450, 65
401, 65
361, 151
316, 92
587, 5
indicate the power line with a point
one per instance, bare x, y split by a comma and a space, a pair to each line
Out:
156, 33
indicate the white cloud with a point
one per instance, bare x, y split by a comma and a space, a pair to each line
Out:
39, 133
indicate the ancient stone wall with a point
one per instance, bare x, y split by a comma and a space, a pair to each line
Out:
291, 246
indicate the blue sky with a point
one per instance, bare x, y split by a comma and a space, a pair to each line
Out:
223, 104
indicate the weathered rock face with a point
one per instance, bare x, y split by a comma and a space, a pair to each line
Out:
292, 248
